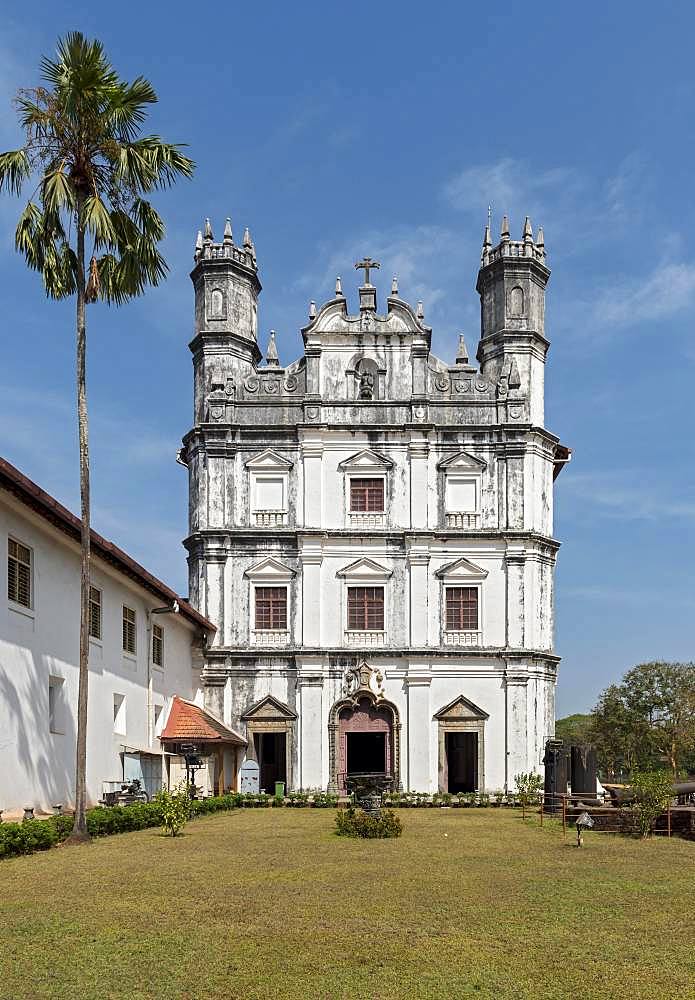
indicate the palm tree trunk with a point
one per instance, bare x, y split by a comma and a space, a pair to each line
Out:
79, 832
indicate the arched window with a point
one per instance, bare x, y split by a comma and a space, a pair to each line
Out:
217, 304
516, 301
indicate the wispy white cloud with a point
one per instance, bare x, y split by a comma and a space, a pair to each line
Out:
629, 495
666, 290
570, 204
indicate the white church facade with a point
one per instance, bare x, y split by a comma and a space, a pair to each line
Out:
371, 530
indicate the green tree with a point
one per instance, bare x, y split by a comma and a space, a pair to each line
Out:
574, 729
617, 733
663, 696
648, 720
653, 792
90, 170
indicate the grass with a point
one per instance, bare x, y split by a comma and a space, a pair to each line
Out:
261, 904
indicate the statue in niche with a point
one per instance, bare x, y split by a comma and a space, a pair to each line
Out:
366, 390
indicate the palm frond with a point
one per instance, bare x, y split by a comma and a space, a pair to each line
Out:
14, 170
126, 110
163, 162
57, 192
97, 220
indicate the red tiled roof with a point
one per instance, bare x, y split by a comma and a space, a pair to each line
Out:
20, 486
188, 722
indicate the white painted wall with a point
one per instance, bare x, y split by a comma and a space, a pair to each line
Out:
36, 765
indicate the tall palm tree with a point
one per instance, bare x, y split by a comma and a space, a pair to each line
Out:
92, 169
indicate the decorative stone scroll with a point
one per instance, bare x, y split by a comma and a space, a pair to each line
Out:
363, 679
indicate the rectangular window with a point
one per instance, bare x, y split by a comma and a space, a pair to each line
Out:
56, 705
366, 609
270, 494
462, 609
158, 645
129, 631
461, 495
95, 613
119, 720
18, 573
366, 495
271, 608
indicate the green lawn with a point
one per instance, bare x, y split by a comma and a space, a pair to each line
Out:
268, 903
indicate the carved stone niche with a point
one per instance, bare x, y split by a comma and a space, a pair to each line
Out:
367, 378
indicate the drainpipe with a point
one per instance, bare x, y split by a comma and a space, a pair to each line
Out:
173, 610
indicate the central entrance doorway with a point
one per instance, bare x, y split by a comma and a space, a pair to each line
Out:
271, 754
365, 740
462, 761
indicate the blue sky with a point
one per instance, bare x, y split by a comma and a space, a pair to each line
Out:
335, 130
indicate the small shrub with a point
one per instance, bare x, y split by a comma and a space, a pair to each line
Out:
653, 792
353, 822
175, 809
528, 788
323, 800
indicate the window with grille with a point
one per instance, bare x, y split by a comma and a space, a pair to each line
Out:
462, 609
158, 645
366, 495
129, 631
366, 609
18, 573
271, 608
95, 613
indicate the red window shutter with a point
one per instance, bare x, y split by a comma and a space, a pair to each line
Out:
367, 495
366, 609
462, 609
271, 608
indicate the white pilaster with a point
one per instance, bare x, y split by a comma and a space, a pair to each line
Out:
418, 452
418, 568
310, 730
311, 558
312, 452
420, 724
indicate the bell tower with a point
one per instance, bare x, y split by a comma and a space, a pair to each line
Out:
511, 283
225, 279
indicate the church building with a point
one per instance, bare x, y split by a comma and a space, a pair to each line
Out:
371, 529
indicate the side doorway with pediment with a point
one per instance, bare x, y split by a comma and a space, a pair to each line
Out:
271, 733
461, 742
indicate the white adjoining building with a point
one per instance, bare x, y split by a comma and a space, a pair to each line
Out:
141, 654
371, 529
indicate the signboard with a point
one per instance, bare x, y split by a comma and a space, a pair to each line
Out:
249, 777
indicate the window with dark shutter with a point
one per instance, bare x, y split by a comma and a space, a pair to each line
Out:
462, 609
271, 608
158, 645
366, 609
367, 495
95, 613
129, 631
18, 573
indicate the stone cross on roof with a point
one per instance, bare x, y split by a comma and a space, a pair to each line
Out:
367, 264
